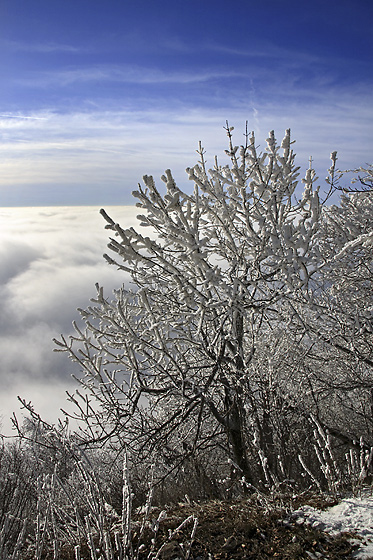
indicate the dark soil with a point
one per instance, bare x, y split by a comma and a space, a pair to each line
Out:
242, 529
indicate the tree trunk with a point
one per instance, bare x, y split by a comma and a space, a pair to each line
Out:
236, 439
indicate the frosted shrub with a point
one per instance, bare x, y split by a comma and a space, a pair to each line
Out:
220, 339
73, 513
18, 497
171, 360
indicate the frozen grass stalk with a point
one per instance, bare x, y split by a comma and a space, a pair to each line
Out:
126, 508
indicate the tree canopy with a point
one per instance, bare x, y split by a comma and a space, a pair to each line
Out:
245, 317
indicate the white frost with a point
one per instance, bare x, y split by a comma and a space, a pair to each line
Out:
351, 515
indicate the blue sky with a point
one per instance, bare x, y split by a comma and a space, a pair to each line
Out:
96, 94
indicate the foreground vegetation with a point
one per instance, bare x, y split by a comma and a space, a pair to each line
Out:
68, 514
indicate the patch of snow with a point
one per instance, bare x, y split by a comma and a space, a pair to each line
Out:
351, 515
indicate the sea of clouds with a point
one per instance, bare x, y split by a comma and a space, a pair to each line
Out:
50, 259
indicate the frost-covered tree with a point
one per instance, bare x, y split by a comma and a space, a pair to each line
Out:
189, 356
341, 322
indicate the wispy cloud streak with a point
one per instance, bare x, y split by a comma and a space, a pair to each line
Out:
127, 74
47, 47
99, 155
5, 116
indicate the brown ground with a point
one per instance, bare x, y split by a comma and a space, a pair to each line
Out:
242, 529
253, 528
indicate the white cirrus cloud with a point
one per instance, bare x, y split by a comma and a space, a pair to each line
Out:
42, 48
99, 155
126, 73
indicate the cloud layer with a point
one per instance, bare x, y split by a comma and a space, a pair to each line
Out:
51, 259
